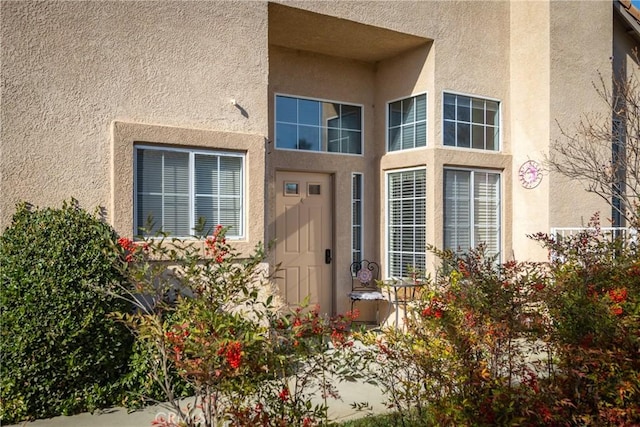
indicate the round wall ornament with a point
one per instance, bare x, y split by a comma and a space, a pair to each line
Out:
530, 174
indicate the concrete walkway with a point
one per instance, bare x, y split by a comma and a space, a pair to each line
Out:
339, 410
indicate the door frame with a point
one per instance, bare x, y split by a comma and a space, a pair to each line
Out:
332, 233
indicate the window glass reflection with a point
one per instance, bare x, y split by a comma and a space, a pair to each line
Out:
407, 127
351, 117
471, 122
286, 136
306, 124
309, 138
309, 112
286, 109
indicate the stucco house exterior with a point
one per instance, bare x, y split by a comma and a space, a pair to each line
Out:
341, 130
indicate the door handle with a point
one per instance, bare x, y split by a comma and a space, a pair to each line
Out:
327, 256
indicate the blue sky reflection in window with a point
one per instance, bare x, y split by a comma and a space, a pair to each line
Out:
307, 124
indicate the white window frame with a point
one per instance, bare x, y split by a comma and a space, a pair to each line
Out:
426, 122
482, 98
323, 150
388, 217
360, 218
192, 153
473, 171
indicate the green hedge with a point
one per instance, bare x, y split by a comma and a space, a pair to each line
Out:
60, 352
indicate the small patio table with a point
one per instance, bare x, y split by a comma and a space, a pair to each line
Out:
401, 292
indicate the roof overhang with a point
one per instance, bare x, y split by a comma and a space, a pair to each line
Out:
300, 29
630, 15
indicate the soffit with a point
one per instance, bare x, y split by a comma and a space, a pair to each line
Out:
631, 16
303, 30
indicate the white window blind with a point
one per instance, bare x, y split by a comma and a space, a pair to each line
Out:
356, 218
406, 221
487, 211
457, 210
175, 189
471, 210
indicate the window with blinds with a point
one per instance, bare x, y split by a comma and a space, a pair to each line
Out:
407, 120
471, 210
618, 154
356, 217
471, 122
177, 189
406, 221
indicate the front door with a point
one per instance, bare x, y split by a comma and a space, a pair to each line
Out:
304, 237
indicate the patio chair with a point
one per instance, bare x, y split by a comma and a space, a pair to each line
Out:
364, 284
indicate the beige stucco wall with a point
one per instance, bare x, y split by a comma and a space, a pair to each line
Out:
581, 46
83, 81
333, 79
557, 52
529, 94
431, 68
70, 69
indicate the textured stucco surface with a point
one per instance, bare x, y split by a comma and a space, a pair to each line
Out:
438, 64
84, 81
340, 80
530, 120
69, 69
577, 56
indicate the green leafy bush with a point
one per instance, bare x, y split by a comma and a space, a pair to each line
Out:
139, 385
61, 354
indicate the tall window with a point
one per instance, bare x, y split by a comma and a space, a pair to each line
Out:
356, 217
307, 124
618, 162
177, 188
471, 210
471, 122
406, 221
407, 123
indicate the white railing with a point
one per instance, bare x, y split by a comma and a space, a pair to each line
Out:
629, 235
606, 231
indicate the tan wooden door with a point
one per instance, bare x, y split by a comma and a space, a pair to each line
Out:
303, 236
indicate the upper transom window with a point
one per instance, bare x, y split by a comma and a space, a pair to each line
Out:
407, 123
307, 124
471, 122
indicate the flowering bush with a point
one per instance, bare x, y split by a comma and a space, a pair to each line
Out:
595, 307
464, 357
209, 316
533, 344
